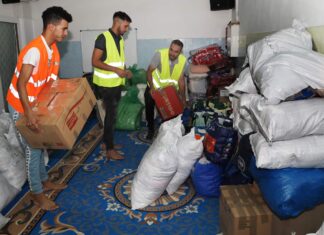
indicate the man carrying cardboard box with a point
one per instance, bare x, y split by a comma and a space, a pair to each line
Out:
38, 63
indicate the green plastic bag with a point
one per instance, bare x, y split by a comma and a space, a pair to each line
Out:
139, 75
129, 116
129, 111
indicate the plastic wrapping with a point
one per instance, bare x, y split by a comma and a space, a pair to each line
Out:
307, 152
207, 178
289, 191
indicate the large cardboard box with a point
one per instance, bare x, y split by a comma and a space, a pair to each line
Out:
62, 108
167, 102
307, 222
244, 212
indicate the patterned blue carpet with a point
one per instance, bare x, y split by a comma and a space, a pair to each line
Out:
97, 200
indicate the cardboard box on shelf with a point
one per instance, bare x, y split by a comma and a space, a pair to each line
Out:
62, 108
244, 212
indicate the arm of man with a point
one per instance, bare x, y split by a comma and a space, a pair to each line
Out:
155, 62
26, 72
149, 77
96, 62
182, 88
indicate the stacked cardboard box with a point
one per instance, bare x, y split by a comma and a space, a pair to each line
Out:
62, 108
244, 212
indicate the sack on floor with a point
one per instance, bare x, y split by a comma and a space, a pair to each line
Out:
306, 152
207, 177
8, 192
220, 140
3, 221
290, 191
287, 120
158, 165
189, 149
129, 111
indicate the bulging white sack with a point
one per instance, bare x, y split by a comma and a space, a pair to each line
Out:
8, 192
157, 167
239, 123
3, 221
288, 120
305, 152
189, 149
286, 74
12, 164
287, 40
244, 83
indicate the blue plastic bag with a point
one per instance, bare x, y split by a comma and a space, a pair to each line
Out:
220, 140
207, 177
290, 191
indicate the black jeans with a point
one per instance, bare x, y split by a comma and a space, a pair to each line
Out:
110, 97
149, 109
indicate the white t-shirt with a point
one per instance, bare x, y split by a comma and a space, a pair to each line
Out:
33, 56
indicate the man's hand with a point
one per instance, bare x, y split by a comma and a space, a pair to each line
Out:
124, 73
32, 121
129, 74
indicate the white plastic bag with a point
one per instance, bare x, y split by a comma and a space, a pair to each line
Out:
3, 221
288, 120
12, 164
286, 40
155, 171
158, 165
241, 118
305, 152
189, 149
8, 192
243, 83
286, 74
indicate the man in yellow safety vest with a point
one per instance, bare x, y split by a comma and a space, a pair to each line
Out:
108, 60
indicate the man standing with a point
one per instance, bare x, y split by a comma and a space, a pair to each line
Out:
38, 63
108, 60
166, 68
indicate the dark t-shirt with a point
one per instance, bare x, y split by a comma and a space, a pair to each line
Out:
100, 43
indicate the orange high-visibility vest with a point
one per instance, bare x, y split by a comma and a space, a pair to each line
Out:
47, 70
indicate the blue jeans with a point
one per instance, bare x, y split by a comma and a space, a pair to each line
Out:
35, 164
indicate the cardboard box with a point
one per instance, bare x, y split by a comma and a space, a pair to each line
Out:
307, 222
62, 108
168, 102
243, 211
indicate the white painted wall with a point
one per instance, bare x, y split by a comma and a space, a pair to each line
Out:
264, 16
158, 19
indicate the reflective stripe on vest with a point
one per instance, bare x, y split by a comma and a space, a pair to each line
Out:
47, 70
106, 78
16, 94
164, 78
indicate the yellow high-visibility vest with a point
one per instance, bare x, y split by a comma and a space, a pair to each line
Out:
163, 78
106, 78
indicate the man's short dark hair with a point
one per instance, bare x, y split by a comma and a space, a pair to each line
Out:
177, 42
123, 16
54, 15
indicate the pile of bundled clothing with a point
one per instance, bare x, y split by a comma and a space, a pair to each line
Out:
277, 102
